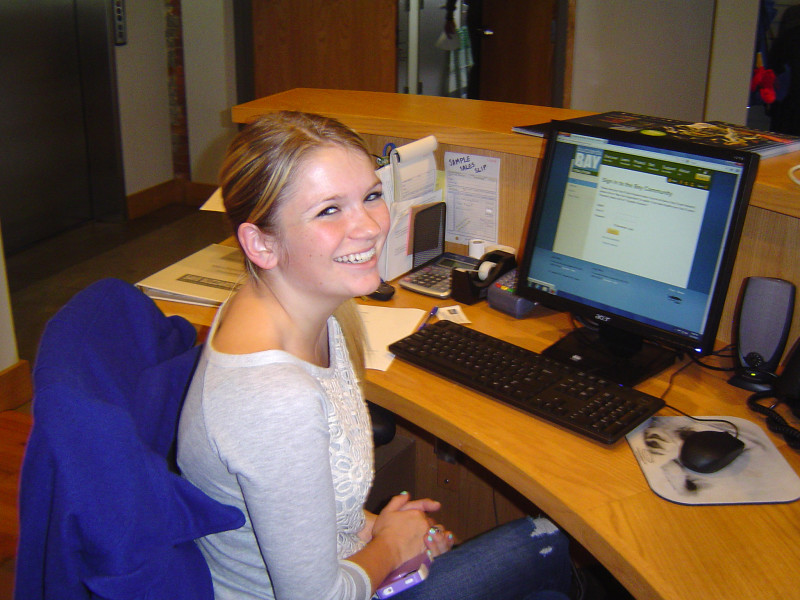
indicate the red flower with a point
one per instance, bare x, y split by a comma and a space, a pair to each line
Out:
764, 81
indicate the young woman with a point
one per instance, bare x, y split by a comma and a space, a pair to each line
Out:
274, 421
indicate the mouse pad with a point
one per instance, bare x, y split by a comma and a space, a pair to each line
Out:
759, 474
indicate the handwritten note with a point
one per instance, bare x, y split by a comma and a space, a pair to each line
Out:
472, 184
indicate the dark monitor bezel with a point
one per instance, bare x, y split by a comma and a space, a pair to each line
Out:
698, 347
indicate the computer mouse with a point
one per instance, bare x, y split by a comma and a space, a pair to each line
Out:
384, 292
709, 451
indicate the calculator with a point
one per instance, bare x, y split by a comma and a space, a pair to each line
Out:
433, 278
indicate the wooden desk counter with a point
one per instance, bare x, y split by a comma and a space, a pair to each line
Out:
657, 549
771, 236
479, 124
465, 126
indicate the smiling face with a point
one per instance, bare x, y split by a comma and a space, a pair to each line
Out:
331, 228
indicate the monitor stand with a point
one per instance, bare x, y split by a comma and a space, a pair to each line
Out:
612, 354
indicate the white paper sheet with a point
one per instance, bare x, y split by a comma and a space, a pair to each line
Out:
414, 168
385, 325
409, 180
472, 197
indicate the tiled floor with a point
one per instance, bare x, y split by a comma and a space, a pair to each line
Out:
43, 277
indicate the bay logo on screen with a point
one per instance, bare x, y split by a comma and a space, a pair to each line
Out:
587, 160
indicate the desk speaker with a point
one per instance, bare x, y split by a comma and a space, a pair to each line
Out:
762, 326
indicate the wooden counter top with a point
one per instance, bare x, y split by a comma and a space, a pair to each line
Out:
478, 124
773, 189
771, 236
475, 123
658, 549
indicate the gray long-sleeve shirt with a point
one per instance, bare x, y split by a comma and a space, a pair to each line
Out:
290, 444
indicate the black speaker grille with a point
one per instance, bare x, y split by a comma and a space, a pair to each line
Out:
765, 317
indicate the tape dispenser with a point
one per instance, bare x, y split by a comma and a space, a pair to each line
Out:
469, 286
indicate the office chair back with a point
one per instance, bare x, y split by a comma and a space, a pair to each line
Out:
102, 515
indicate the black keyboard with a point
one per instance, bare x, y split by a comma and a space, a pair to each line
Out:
562, 394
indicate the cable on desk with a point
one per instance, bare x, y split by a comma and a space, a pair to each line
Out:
731, 368
718, 353
694, 360
699, 420
775, 422
672, 380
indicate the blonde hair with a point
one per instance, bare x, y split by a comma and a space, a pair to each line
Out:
263, 161
259, 172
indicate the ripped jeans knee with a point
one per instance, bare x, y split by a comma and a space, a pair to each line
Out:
525, 559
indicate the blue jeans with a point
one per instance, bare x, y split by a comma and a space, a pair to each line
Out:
527, 559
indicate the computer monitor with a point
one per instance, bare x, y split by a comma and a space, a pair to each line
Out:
636, 236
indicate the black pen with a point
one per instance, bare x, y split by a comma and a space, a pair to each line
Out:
428, 318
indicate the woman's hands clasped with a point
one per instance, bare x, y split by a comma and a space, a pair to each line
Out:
408, 523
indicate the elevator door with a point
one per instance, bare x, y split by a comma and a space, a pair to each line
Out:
45, 179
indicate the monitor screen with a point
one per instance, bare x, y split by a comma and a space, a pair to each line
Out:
635, 235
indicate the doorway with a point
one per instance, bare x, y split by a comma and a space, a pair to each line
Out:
531, 44
518, 49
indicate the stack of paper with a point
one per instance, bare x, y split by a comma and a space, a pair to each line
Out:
206, 277
385, 325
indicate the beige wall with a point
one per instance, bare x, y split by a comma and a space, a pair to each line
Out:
684, 59
210, 74
143, 97
8, 341
210, 83
731, 60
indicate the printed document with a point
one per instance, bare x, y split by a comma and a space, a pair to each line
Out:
472, 184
